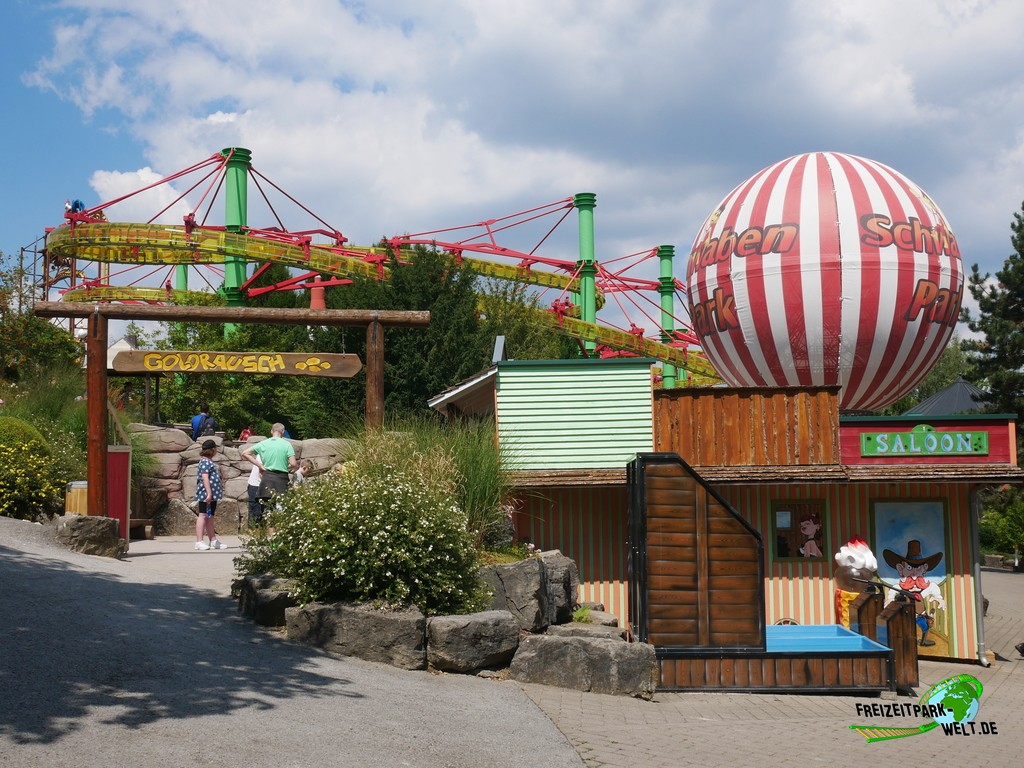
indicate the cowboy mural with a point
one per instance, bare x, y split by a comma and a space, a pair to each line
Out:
912, 569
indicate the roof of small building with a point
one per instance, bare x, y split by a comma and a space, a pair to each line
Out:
959, 397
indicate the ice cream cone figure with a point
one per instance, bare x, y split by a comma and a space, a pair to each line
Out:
854, 560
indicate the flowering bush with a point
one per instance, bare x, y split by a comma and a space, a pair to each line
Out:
29, 481
384, 530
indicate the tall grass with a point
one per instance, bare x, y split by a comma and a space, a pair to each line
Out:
483, 470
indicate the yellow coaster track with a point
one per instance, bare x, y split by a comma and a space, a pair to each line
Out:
129, 243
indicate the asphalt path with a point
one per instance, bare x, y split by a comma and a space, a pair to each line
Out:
144, 661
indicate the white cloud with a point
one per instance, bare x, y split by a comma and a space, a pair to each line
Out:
387, 117
110, 185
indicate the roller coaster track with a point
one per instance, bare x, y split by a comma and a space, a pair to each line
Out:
130, 243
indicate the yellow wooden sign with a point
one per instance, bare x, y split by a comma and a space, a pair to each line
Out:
277, 363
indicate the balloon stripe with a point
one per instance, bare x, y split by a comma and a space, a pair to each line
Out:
830, 276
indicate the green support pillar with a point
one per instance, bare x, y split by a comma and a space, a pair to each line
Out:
666, 290
236, 177
584, 203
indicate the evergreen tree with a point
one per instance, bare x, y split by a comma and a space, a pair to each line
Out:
999, 357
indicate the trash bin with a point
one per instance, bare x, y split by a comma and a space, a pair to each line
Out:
76, 499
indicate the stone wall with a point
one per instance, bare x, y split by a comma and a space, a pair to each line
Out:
527, 633
169, 488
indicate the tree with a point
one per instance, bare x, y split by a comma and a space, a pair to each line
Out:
999, 357
509, 310
418, 363
28, 344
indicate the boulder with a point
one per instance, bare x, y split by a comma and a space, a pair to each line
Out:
324, 453
231, 516
392, 637
471, 642
162, 439
91, 535
582, 629
563, 584
164, 466
176, 519
521, 589
603, 618
237, 488
264, 599
587, 664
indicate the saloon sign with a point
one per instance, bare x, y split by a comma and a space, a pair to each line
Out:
924, 440
278, 363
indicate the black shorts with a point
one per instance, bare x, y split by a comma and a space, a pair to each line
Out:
272, 482
207, 507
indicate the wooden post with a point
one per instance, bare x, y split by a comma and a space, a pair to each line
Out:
864, 612
898, 623
96, 409
374, 374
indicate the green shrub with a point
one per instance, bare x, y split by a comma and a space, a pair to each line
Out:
30, 482
385, 530
581, 614
19, 433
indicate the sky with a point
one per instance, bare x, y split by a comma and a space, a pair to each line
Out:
394, 116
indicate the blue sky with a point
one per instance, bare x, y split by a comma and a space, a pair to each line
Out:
408, 115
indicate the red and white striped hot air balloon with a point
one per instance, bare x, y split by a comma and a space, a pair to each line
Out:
826, 269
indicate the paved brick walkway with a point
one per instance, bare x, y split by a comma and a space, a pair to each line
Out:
728, 729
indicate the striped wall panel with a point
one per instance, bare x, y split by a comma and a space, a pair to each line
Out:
574, 414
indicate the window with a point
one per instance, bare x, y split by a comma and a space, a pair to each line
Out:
798, 529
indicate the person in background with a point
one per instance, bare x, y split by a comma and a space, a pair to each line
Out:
303, 472
208, 493
255, 507
245, 434
203, 423
275, 458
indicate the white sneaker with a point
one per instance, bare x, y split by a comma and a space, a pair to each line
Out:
218, 544
202, 545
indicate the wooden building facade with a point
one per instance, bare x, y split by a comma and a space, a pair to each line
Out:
804, 476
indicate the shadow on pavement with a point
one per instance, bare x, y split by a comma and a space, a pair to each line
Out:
75, 640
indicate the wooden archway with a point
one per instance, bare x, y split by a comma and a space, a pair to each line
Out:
98, 315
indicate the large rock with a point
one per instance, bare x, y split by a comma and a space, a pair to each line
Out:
164, 466
162, 439
231, 517
472, 642
264, 599
603, 618
562, 584
521, 589
392, 637
582, 629
587, 664
91, 535
237, 488
324, 452
176, 519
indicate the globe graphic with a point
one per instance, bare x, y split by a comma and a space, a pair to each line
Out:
960, 696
